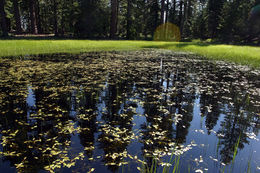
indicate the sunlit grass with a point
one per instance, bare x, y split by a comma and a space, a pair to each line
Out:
235, 149
248, 55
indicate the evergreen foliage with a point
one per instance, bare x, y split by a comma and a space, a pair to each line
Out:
229, 21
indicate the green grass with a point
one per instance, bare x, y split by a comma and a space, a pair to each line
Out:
235, 149
248, 55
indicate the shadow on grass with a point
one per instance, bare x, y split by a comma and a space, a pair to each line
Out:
179, 45
47, 37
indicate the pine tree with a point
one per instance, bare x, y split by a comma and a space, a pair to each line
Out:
17, 17
113, 21
3, 18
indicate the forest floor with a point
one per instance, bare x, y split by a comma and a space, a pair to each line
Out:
246, 55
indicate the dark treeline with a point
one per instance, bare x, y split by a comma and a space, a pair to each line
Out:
223, 20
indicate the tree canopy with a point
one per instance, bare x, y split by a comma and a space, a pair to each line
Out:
224, 20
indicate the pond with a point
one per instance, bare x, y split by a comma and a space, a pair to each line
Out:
133, 111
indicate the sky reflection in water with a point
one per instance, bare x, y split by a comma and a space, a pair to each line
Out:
121, 111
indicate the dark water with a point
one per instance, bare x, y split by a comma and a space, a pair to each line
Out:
128, 111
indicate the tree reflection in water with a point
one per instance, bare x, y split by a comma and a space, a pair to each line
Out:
50, 102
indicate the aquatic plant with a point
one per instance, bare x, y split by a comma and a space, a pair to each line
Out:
131, 109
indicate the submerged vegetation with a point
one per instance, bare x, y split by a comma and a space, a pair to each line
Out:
246, 55
147, 111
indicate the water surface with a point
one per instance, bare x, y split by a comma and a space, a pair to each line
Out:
128, 111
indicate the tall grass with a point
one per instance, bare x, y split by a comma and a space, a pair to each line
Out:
235, 149
166, 169
176, 164
248, 55
249, 164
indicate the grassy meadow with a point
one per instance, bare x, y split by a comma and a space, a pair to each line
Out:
246, 55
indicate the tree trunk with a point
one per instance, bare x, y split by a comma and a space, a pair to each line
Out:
113, 20
173, 11
34, 29
129, 21
38, 18
55, 25
154, 10
8, 24
62, 31
180, 15
167, 11
145, 13
3, 18
189, 9
162, 11
17, 17
185, 11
